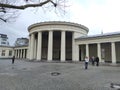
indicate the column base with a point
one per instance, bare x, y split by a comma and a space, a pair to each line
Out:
62, 60
38, 60
75, 60
49, 60
113, 64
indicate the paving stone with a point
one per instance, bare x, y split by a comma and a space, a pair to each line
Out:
24, 75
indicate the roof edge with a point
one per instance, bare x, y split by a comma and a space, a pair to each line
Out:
58, 23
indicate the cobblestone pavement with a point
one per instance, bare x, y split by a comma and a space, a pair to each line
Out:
25, 75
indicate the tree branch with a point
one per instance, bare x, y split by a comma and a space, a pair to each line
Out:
26, 6
3, 19
2, 10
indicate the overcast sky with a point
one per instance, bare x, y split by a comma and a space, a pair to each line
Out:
98, 15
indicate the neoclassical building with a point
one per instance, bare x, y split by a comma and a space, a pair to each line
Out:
54, 40
66, 41
105, 46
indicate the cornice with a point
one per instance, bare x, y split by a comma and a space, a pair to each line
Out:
58, 23
101, 36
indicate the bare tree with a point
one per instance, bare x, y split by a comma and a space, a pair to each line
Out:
9, 8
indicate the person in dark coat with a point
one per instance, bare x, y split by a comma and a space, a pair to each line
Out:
93, 60
13, 59
97, 61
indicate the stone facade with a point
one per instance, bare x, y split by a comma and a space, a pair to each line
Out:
66, 41
6, 52
105, 46
54, 40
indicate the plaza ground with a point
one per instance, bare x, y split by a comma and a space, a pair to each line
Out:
25, 75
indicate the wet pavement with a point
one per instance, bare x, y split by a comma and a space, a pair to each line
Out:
25, 75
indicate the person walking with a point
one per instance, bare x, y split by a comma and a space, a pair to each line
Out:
86, 62
13, 59
97, 61
93, 60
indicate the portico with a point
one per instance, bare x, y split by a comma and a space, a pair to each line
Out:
65, 41
21, 52
51, 45
106, 47
54, 41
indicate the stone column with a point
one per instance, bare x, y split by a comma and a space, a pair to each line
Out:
73, 47
24, 53
35, 49
21, 53
50, 46
99, 51
32, 47
27, 55
15, 53
18, 53
29, 47
87, 50
113, 52
63, 46
77, 53
39, 45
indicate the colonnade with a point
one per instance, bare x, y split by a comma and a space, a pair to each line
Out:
20, 53
106, 51
99, 52
35, 45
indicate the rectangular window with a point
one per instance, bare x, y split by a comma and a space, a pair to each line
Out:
3, 42
3, 53
10, 53
4, 39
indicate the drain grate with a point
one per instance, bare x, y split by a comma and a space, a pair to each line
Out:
115, 85
24, 68
55, 73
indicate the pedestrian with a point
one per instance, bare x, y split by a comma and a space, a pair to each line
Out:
93, 60
86, 62
97, 61
13, 59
